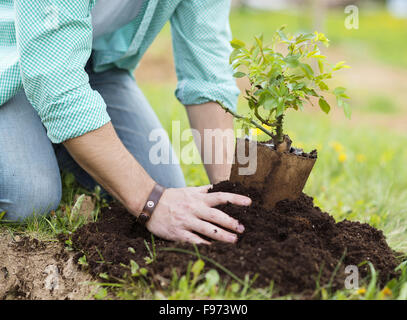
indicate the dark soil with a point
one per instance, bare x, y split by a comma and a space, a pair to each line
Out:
291, 149
292, 245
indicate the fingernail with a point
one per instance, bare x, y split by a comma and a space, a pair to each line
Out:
233, 238
240, 228
247, 201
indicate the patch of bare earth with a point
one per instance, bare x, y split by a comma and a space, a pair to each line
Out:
34, 270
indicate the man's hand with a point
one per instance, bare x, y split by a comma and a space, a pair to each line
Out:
181, 212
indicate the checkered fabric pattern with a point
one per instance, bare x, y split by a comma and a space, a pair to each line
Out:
45, 44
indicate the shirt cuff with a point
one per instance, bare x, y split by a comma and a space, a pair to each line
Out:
74, 115
192, 92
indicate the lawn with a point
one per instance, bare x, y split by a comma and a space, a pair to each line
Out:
360, 174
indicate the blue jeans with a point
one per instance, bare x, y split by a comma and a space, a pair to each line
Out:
30, 164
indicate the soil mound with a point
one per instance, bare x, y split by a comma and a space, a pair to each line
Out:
295, 245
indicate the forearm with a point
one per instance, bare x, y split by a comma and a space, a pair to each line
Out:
215, 127
105, 158
180, 214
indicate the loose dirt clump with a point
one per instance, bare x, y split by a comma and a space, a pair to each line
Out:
35, 270
295, 245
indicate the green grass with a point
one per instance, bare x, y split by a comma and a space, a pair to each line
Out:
374, 103
380, 35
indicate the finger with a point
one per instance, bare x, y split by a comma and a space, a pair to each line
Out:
203, 189
187, 236
213, 232
221, 219
217, 198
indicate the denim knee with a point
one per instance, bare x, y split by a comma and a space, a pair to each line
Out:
21, 199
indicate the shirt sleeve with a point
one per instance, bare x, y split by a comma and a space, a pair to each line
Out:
54, 41
201, 40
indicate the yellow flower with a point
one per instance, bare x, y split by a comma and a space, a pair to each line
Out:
360, 158
342, 157
386, 157
387, 292
337, 146
257, 131
361, 291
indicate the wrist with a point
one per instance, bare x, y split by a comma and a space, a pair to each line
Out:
151, 204
137, 200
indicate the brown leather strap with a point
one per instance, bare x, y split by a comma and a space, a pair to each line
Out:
151, 204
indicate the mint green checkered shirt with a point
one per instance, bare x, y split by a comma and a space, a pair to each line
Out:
45, 44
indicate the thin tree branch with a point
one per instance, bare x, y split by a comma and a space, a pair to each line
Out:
238, 116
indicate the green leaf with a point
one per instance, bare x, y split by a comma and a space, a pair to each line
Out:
212, 278
311, 92
134, 267
237, 44
340, 93
270, 103
307, 70
292, 61
300, 104
323, 86
298, 86
280, 107
2, 214
198, 267
239, 74
340, 65
143, 271
101, 294
104, 275
321, 65
321, 37
324, 105
339, 90
183, 283
78, 204
82, 261
259, 41
304, 37
282, 35
234, 55
347, 110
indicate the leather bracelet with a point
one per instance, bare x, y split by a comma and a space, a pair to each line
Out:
151, 204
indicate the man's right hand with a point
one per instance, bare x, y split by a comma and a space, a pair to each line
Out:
181, 213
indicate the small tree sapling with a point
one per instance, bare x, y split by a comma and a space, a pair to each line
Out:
281, 77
